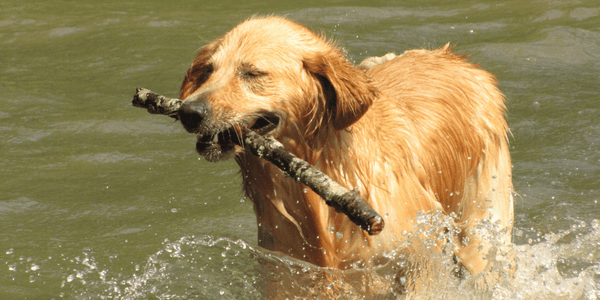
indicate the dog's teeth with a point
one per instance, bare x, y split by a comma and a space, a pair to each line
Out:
216, 139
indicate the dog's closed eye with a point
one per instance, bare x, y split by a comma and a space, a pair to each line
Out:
254, 79
250, 72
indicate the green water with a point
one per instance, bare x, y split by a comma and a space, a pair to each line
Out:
91, 189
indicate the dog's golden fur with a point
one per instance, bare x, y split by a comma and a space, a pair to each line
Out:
422, 131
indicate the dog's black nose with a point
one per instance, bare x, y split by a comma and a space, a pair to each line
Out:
191, 113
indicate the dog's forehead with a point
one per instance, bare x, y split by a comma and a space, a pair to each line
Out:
266, 40
271, 29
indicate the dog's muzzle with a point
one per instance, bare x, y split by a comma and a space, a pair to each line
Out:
217, 137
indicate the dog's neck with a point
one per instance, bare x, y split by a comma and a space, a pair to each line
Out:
291, 218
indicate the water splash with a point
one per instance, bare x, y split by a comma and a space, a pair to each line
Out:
564, 265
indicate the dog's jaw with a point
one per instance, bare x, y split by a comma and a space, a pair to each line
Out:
217, 147
220, 145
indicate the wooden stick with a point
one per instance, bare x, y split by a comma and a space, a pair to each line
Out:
155, 103
343, 200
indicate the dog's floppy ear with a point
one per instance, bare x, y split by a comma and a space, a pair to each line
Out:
347, 88
199, 71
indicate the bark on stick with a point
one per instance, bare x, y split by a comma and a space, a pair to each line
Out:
343, 200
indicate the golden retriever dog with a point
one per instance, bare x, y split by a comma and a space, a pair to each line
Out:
418, 133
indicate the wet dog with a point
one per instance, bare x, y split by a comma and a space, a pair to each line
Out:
420, 133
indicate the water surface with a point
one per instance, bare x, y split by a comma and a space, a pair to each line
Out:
101, 200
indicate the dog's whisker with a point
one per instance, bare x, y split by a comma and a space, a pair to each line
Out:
239, 130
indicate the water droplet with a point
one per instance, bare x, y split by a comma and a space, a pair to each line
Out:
305, 190
222, 292
332, 229
10, 251
34, 267
465, 241
339, 235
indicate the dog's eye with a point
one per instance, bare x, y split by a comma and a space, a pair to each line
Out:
252, 74
253, 79
249, 71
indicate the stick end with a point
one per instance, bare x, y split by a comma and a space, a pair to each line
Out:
140, 97
376, 225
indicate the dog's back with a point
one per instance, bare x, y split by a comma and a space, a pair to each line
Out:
444, 119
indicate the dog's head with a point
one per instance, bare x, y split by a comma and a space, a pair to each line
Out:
269, 75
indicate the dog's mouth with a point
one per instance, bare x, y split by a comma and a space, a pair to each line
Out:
220, 144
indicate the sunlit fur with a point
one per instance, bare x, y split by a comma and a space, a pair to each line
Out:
422, 131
